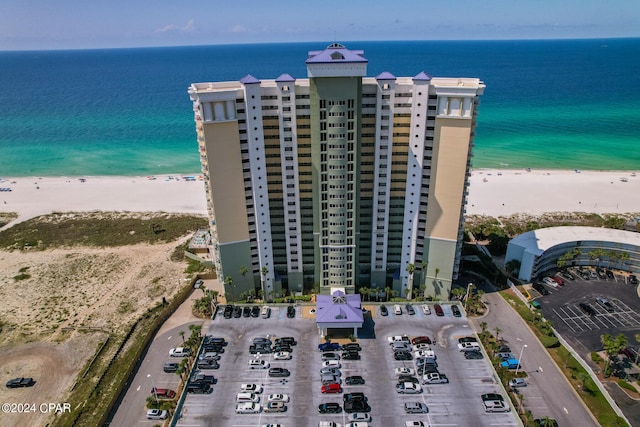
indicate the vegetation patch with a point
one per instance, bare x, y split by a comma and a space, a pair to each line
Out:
98, 229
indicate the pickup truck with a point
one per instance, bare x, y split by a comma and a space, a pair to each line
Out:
468, 346
199, 377
511, 364
398, 338
329, 346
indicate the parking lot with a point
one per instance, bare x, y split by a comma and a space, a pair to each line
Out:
562, 307
456, 403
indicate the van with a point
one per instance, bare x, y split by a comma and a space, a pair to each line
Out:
247, 397
266, 312
329, 379
397, 309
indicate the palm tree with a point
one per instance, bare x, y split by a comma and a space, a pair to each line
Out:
387, 291
228, 281
243, 272
497, 330
483, 326
195, 330
547, 422
612, 346
437, 272
182, 333
364, 291
411, 268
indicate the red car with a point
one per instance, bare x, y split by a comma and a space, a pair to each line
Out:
421, 340
331, 388
558, 280
438, 309
163, 393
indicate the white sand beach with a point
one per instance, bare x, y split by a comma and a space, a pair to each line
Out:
492, 192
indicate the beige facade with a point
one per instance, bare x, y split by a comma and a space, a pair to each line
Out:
337, 179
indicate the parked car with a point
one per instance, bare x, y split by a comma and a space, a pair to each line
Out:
198, 283
468, 346
251, 388
517, 382
404, 371
265, 312
354, 396
237, 312
540, 288
228, 312
408, 388
199, 388
329, 408
209, 355
456, 311
275, 407
415, 408
330, 356
157, 414
331, 364
567, 275
354, 380
246, 311
402, 355
587, 308
605, 303
278, 397
248, 408
549, 282
511, 364
633, 280
199, 377
330, 371
410, 309
291, 312
329, 346
262, 349
255, 311
474, 354
435, 378
383, 310
558, 280
424, 353
207, 364
421, 340
438, 309
170, 367
408, 379
20, 382
258, 364
610, 275
352, 346
279, 372
331, 388
282, 355
398, 339
350, 355
467, 339
352, 406
180, 352
286, 340
359, 416
425, 309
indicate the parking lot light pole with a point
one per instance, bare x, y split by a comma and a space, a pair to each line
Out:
520, 358
155, 391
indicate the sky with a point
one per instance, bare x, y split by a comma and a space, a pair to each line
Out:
89, 24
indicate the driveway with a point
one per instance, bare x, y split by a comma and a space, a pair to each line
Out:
548, 392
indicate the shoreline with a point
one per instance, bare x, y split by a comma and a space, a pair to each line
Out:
492, 192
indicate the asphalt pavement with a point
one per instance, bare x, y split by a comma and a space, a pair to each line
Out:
548, 392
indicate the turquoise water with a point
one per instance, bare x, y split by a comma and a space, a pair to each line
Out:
570, 104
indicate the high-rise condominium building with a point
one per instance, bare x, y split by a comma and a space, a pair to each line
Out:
337, 179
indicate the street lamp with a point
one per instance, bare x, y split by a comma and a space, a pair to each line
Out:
520, 358
466, 297
155, 391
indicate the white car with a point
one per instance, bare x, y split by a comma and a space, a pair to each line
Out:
405, 371
517, 382
258, 364
425, 309
359, 416
278, 397
550, 282
251, 388
424, 353
282, 355
408, 388
157, 414
248, 408
469, 346
399, 338
435, 378
331, 364
413, 424
180, 352
422, 346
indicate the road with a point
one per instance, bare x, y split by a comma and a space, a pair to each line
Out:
548, 393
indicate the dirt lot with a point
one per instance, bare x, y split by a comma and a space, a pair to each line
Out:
54, 320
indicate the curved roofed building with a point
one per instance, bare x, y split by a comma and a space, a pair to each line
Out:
539, 250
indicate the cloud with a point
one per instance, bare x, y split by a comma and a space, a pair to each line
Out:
188, 28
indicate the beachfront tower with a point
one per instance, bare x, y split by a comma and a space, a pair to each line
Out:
338, 179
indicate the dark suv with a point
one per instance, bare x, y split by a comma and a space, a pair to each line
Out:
170, 367
291, 312
352, 406
329, 408
354, 396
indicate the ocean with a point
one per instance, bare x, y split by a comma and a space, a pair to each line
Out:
553, 104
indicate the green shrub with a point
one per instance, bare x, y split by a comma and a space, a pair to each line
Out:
595, 357
549, 342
